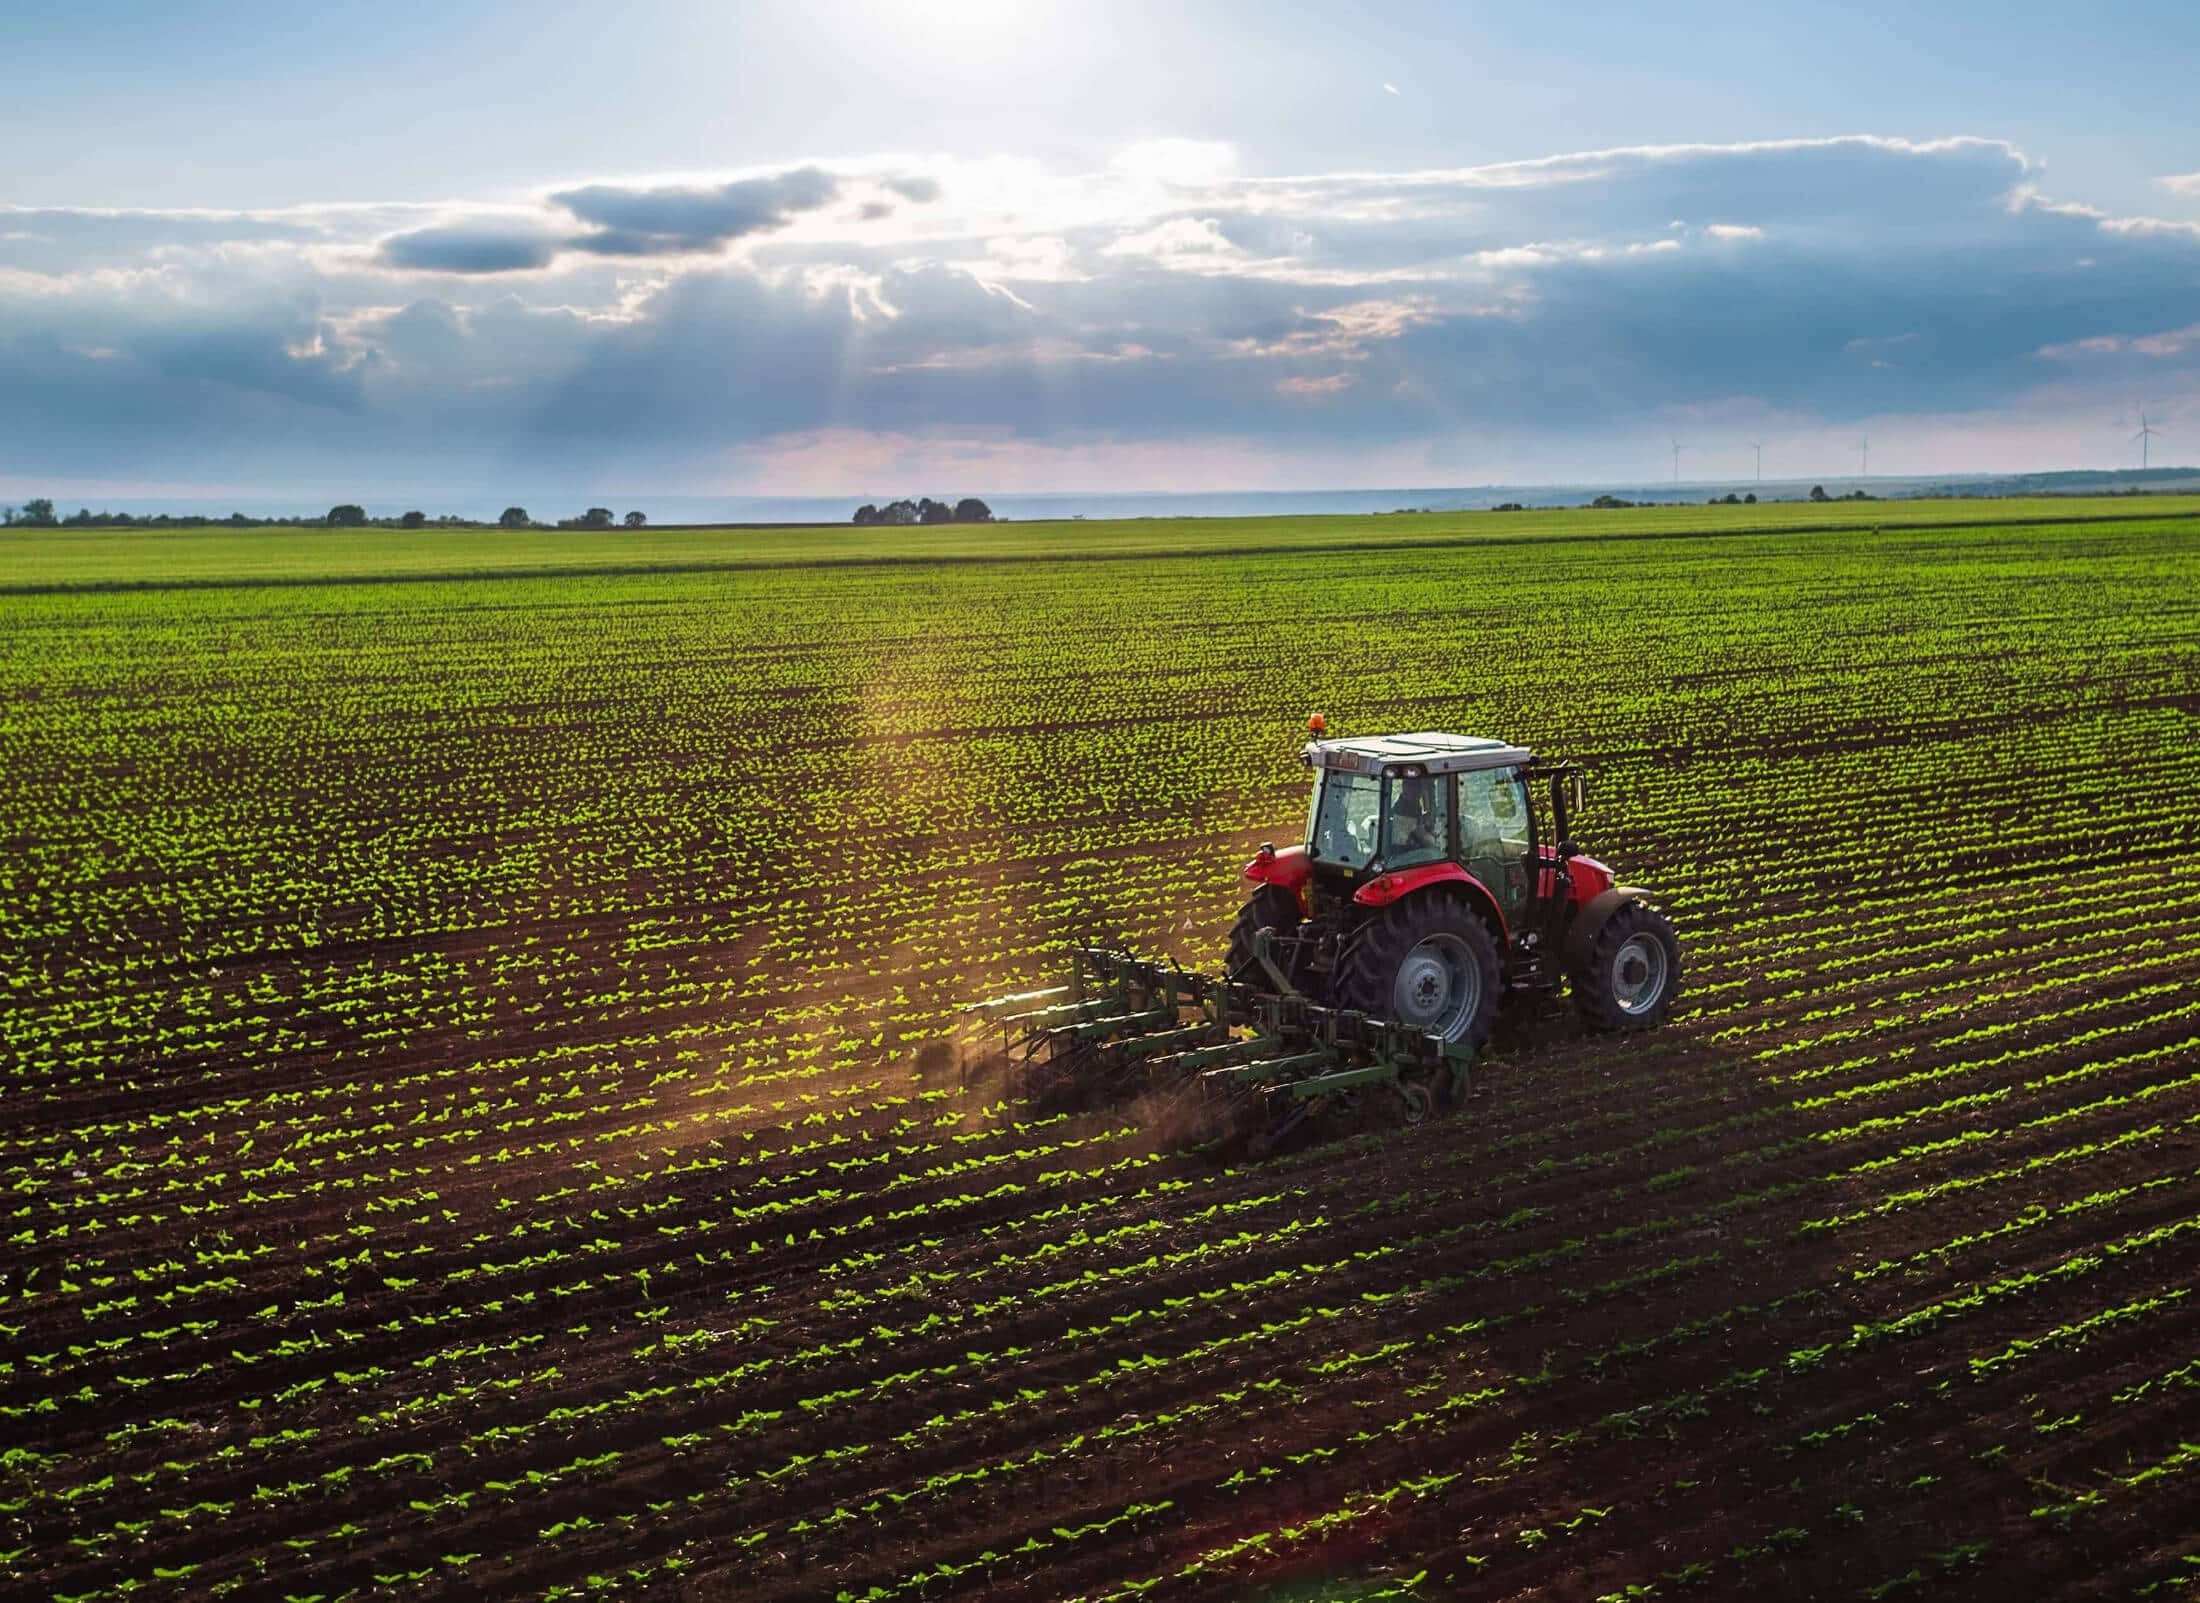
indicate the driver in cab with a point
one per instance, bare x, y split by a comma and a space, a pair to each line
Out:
1416, 828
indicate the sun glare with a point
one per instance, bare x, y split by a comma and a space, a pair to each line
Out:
960, 13
961, 32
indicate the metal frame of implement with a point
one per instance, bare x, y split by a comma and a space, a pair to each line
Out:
1124, 1022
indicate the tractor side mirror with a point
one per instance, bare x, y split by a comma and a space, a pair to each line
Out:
1577, 792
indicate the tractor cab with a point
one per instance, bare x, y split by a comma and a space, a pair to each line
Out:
1395, 813
1404, 802
1455, 850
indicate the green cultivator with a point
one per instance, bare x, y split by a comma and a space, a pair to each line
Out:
1256, 1062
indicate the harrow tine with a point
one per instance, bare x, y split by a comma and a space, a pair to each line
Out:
1163, 1042
1013, 998
1111, 1024
1271, 1069
1205, 1057
1057, 1009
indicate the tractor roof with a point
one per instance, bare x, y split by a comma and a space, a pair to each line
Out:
1431, 752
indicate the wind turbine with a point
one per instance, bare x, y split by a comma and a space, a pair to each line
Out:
1864, 456
1676, 460
2145, 437
1759, 447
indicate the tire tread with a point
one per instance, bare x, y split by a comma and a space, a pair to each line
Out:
1369, 964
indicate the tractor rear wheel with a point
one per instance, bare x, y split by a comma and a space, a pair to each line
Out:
1429, 963
1270, 907
1631, 973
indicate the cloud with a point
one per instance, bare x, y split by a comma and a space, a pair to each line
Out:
2174, 342
1038, 257
913, 187
168, 366
2167, 344
665, 333
1184, 243
624, 220
471, 248
2181, 183
669, 220
425, 331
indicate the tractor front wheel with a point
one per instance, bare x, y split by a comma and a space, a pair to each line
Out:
1631, 972
1270, 907
1429, 963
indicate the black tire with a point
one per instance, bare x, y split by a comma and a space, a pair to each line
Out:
1631, 974
1452, 989
1270, 907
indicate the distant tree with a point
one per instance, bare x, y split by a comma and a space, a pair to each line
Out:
1508, 506
1610, 501
38, 513
237, 519
634, 520
346, 516
515, 518
1750, 499
866, 515
972, 510
898, 513
931, 511
413, 520
597, 518
1818, 492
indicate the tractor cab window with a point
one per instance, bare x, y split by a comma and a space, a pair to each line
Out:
1414, 827
1347, 812
1495, 838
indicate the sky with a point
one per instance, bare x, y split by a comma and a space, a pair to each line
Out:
565, 251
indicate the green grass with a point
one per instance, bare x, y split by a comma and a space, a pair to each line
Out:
211, 556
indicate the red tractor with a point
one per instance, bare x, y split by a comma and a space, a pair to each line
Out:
1434, 880
1370, 961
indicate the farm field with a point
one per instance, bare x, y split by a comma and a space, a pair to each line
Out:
485, 1108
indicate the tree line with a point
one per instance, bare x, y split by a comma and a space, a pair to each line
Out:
898, 513
38, 513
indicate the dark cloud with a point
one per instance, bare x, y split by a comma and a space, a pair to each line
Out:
622, 221
668, 221
424, 331
175, 375
470, 248
913, 187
